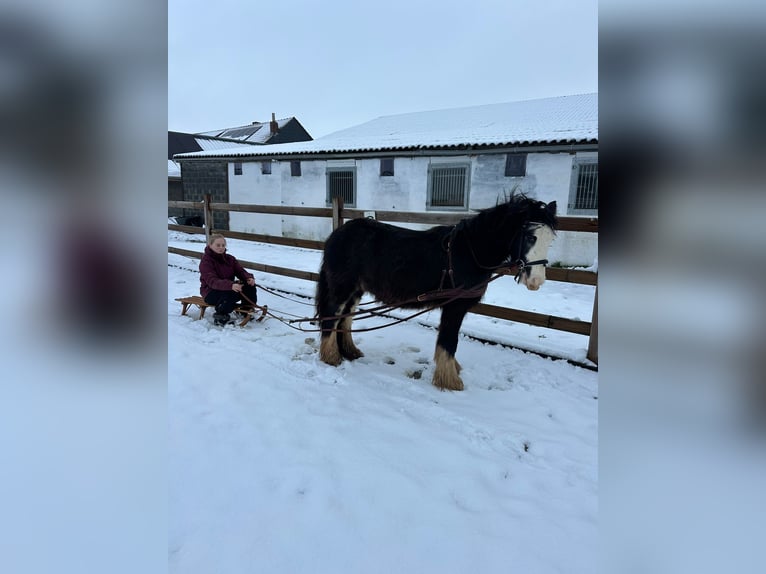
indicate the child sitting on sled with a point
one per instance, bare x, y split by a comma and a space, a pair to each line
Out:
218, 287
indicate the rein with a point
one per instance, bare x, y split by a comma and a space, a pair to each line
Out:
443, 296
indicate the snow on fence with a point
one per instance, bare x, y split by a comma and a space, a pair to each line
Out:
338, 214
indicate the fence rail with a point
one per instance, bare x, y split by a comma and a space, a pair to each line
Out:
337, 213
566, 223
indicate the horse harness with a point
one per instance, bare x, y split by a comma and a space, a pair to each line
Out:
451, 294
520, 262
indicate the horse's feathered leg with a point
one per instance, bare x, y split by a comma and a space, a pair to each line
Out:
345, 343
327, 311
334, 301
446, 375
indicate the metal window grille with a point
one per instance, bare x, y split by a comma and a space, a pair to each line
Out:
387, 166
295, 168
516, 165
341, 183
237, 168
448, 187
266, 167
583, 196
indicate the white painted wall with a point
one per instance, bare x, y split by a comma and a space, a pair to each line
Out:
254, 188
548, 178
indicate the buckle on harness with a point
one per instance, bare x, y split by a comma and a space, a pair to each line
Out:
522, 265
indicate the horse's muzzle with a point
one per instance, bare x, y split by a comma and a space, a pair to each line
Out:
533, 282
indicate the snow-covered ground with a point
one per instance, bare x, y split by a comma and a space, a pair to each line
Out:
280, 463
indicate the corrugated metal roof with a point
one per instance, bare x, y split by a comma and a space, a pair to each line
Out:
179, 142
560, 120
208, 144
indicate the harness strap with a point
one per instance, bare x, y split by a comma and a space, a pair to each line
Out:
449, 271
522, 265
445, 295
507, 264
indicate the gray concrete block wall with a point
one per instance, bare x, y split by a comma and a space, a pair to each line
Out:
202, 177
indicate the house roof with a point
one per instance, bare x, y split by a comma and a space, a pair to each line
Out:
174, 170
179, 142
559, 120
256, 132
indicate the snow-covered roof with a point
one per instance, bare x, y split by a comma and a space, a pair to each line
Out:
559, 120
180, 142
208, 144
257, 132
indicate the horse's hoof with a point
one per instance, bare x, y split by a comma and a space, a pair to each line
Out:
448, 383
328, 353
353, 354
446, 375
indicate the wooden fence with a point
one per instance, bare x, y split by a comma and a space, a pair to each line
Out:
338, 214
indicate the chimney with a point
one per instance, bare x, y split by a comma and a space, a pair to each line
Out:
273, 125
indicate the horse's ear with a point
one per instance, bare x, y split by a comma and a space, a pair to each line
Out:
551, 207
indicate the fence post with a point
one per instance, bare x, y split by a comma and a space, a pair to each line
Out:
208, 217
593, 340
337, 211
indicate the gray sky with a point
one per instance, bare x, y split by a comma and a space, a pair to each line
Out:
337, 63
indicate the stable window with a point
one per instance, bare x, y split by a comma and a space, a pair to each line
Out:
583, 188
266, 167
341, 182
516, 165
448, 186
238, 168
295, 168
387, 166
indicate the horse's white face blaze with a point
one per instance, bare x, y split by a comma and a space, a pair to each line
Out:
539, 250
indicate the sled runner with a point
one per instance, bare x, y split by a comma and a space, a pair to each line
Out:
247, 311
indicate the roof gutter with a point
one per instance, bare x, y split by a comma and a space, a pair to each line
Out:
570, 148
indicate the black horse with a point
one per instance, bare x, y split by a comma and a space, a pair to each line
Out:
447, 265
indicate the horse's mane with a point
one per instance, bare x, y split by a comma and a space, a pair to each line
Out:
515, 206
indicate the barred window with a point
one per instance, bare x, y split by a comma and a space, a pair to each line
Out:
237, 168
341, 182
583, 190
516, 165
295, 168
266, 167
448, 186
387, 166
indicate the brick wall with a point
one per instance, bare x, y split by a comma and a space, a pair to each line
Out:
201, 177
175, 193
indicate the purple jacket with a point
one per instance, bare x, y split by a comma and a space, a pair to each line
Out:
217, 272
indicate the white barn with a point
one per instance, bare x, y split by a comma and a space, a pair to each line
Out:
455, 160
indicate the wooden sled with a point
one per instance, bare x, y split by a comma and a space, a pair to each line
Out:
247, 314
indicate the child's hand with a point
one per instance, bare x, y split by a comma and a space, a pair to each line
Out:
237, 287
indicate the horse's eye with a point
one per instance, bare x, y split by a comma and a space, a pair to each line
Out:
532, 239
